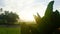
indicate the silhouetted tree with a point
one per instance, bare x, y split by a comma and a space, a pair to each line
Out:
11, 17
8, 18
1, 10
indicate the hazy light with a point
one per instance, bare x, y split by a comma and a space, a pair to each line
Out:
25, 8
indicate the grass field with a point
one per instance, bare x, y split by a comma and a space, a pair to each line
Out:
10, 30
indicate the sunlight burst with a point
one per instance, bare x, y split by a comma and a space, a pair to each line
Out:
25, 8
26, 16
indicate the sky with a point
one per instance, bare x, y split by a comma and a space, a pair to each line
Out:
26, 8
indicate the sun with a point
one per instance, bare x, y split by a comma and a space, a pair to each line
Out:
26, 16
27, 13
25, 8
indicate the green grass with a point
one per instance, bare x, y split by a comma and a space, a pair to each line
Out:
10, 30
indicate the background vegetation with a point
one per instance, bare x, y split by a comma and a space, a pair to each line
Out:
48, 24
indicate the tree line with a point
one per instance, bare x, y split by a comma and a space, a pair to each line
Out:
7, 18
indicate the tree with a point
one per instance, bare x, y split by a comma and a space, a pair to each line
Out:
8, 18
2, 21
11, 17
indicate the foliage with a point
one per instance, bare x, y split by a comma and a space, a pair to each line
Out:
37, 18
8, 18
48, 24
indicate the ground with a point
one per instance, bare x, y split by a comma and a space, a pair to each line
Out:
10, 30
